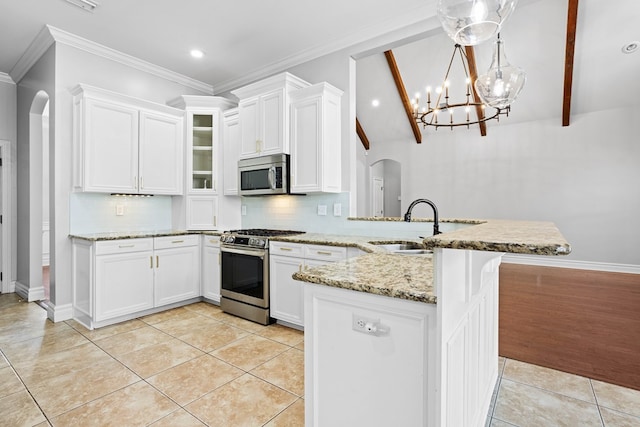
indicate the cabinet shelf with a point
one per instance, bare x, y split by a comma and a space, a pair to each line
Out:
203, 128
209, 173
202, 148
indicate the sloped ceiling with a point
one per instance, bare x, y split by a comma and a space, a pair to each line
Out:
535, 38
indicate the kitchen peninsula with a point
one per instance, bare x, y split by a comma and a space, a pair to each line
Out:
412, 340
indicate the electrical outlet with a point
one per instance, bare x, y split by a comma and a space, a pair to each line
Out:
337, 209
322, 209
243, 210
119, 209
368, 325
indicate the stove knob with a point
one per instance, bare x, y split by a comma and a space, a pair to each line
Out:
261, 243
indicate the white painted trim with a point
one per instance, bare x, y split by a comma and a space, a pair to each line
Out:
72, 40
6, 78
36, 49
48, 35
7, 285
29, 294
59, 313
423, 16
560, 262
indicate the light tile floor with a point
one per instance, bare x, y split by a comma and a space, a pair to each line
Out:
195, 366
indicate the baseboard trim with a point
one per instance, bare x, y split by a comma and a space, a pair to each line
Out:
59, 313
565, 263
29, 294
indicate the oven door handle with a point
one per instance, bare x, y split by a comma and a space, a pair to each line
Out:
257, 253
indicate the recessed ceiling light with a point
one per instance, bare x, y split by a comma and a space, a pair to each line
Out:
375, 102
88, 5
631, 47
197, 53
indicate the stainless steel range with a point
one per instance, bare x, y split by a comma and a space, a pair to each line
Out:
245, 272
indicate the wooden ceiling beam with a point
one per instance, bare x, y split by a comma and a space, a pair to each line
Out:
397, 78
572, 21
362, 135
473, 75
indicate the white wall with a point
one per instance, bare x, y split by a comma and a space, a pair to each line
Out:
8, 132
29, 165
583, 177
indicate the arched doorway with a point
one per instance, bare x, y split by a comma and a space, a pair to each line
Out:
31, 187
385, 188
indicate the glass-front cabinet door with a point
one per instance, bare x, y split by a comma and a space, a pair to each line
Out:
202, 154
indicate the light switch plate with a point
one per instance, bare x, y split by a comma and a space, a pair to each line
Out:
322, 209
337, 209
243, 210
119, 209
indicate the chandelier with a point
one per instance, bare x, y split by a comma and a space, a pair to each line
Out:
445, 112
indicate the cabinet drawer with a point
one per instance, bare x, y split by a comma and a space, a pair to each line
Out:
123, 245
287, 249
330, 253
211, 241
166, 242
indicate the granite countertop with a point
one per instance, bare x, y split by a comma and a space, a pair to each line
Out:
117, 235
521, 237
398, 276
411, 276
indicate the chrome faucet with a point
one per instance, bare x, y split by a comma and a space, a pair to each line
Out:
407, 216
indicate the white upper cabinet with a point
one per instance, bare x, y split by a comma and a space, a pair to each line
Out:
161, 168
230, 152
264, 115
204, 164
316, 139
126, 145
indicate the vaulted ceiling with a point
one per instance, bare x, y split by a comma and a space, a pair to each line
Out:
250, 39
535, 39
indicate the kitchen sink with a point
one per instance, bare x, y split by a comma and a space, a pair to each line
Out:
394, 247
405, 248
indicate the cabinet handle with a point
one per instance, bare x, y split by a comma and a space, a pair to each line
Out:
141, 182
177, 241
215, 221
151, 261
157, 261
126, 246
323, 253
286, 249
258, 145
219, 258
213, 241
135, 182
215, 185
300, 267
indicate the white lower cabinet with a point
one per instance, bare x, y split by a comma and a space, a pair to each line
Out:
117, 280
177, 269
211, 268
287, 298
123, 278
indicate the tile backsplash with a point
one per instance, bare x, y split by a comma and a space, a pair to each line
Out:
301, 213
96, 213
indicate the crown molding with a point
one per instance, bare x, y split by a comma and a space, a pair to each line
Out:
48, 35
36, 49
6, 78
418, 20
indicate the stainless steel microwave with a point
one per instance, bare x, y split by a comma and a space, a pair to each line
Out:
266, 175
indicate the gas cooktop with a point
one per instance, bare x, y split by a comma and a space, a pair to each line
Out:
253, 237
